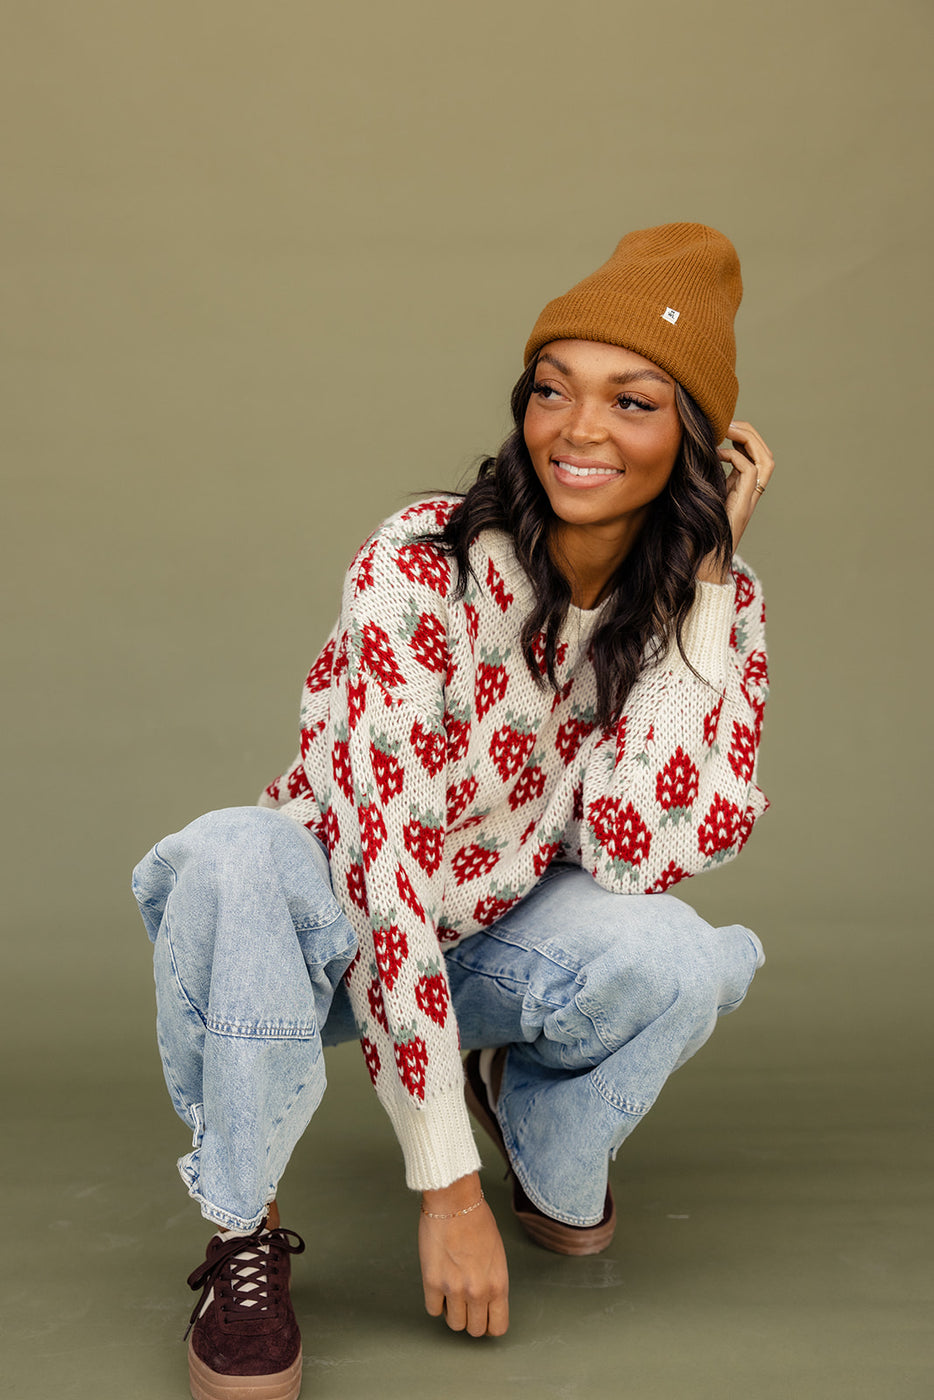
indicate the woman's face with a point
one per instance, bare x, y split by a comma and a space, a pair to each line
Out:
603, 433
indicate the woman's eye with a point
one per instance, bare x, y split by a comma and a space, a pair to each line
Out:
545, 391
629, 401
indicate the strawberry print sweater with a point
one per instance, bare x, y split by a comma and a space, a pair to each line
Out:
443, 782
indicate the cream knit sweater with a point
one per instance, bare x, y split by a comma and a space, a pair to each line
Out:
443, 782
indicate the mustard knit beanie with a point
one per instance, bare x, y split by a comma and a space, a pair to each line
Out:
668, 293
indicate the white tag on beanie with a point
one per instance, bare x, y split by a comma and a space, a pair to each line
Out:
670, 314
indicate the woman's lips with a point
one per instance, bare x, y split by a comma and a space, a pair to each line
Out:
580, 473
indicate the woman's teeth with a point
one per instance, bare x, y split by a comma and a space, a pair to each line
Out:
586, 471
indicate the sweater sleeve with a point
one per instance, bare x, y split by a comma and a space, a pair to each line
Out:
671, 789
384, 825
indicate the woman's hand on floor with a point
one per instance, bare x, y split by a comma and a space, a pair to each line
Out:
463, 1261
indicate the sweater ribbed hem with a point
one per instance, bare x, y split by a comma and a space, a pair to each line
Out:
706, 635
436, 1141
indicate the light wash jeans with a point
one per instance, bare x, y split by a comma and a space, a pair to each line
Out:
599, 995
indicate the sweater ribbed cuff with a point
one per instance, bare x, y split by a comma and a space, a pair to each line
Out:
706, 635
436, 1141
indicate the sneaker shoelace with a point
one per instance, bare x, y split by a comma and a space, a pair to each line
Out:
243, 1268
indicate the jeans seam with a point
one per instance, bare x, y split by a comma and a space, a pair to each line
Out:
175, 972
239, 1030
634, 1107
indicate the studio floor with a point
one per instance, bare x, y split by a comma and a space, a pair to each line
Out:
774, 1238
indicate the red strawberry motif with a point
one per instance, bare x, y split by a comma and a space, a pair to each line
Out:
473, 622
620, 830
494, 582
340, 660
620, 738
439, 510
319, 677
297, 782
392, 949
356, 888
446, 935
371, 1055
527, 833
423, 837
349, 972
332, 832
308, 734
431, 993
572, 733
490, 681
474, 860
459, 797
742, 755
457, 728
340, 767
511, 746
676, 786
372, 832
562, 694
374, 995
387, 770
356, 702
492, 907
423, 564
272, 791
712, 723
378, 657
577, 811
430, 748
428, 641
406, 892
530, 786
745, 591
538, 649
755, 677
718, 830
545, 855
363, 561
411, 1061
669, 876
745, 827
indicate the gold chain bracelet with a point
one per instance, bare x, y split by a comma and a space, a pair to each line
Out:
455, 1213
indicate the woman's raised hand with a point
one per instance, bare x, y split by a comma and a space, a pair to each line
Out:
463, 1261
751, 465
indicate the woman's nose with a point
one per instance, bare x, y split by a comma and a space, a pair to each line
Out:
585, 424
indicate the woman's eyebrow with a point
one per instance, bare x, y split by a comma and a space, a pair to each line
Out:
633, 374
627, 377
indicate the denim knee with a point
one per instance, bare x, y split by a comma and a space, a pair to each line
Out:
243, 899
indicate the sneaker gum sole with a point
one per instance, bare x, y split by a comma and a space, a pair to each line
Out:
211, 1385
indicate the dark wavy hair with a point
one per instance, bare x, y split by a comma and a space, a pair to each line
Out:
654, 586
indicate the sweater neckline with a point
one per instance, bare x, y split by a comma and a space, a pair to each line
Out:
578, 622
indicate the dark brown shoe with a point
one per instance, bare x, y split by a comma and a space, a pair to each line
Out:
244, 1342
542, 1229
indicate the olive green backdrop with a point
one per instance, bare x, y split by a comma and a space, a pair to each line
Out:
267, 270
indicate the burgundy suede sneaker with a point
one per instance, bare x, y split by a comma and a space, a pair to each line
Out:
244, 1342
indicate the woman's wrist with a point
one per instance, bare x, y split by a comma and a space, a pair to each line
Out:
448, 1200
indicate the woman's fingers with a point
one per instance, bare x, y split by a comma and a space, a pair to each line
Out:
751, 465
498, 1323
